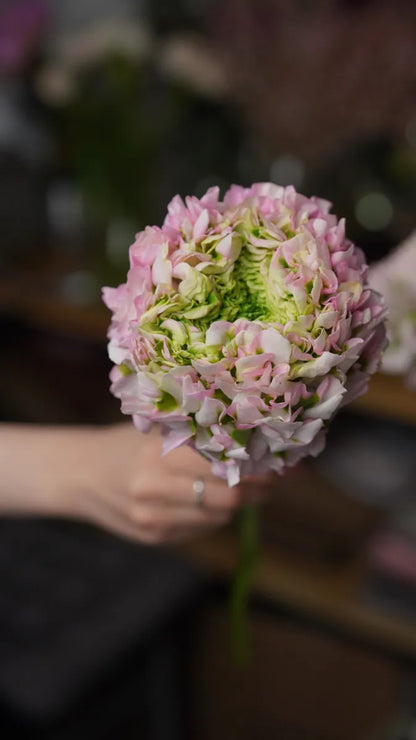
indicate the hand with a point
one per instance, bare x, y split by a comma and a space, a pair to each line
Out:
116, 478
133, 491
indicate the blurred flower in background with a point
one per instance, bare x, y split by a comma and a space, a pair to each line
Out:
189, 60
327, 87
72, 54
123, 105
93, 82
394, 278
312, 76
22, 25
137, 118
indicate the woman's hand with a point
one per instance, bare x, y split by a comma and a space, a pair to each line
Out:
136, 492
117, 478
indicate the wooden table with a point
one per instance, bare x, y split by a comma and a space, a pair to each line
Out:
326, 593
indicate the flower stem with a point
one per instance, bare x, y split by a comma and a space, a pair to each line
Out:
248, 537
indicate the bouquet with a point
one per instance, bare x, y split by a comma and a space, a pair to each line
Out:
394, 276
244, 324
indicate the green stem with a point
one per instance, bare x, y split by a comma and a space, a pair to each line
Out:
248, 537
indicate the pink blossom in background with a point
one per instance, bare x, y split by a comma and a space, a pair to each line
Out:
395, 278
22, 23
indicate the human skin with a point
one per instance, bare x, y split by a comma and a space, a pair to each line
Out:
117, 479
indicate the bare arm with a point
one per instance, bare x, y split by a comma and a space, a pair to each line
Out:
114, 477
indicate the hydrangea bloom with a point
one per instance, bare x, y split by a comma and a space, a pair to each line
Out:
243, 326
394, 277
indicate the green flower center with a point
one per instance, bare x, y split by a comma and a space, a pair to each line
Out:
241, 289
244, 293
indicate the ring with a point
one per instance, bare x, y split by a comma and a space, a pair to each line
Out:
198, 489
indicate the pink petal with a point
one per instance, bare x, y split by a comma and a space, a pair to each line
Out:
175, 436
201, 225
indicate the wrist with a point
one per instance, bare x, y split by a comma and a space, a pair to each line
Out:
44, 469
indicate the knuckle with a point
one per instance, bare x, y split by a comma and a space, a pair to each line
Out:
150, 522
156, 529
131, 491
145, 518
133, 486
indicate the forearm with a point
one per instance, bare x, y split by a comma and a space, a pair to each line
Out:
41, 468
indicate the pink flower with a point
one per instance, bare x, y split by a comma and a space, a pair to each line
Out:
243, 326
394, 278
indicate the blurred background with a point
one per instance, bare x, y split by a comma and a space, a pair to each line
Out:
108, 108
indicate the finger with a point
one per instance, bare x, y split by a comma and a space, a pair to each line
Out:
119, 524
178, 491
167, 517
150, 525
217, 494
185, 461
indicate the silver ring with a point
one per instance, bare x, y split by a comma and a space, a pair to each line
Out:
198, 490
